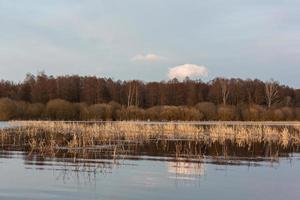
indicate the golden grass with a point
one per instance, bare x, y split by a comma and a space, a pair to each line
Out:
75, 134
90, 133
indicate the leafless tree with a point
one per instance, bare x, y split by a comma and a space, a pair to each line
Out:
224, 90
133, 92
130, 95
272, 95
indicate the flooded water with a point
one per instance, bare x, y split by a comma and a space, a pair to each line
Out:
146, 169
4, 124
145, 177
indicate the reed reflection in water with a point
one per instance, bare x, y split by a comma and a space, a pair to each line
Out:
126, 138
40, 162
147, 177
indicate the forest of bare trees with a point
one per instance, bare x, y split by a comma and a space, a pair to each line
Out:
93, 98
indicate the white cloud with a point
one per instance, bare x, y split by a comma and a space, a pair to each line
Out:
147, 57
187, 70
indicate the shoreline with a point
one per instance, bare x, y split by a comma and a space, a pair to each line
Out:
202, 123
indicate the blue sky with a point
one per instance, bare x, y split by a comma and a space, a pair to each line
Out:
145, 39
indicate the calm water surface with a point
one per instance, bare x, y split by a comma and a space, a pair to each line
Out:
30, 177
4, 124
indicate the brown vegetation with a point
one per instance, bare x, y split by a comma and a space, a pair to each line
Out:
47, 136
93, 90
227, 113
59, 109
8, 109
93, 98
208, 109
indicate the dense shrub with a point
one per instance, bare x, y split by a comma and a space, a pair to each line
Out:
277, 115
177, 113
21, 108
153, 113
8, 109
100, 112
289, 113
208, 109
297, 114
35, 111
253, 113
59, 109
131, 113
190, 114
115, 107
227, 113
170, 113
82, 111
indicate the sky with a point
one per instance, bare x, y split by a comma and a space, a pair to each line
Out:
151, 40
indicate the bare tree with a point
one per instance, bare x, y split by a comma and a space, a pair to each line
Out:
136, 95
224, 90
130, 95
272, 95
133, 94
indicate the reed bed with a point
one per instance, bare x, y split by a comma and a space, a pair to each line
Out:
50, 136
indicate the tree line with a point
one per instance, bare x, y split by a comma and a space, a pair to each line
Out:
92, 98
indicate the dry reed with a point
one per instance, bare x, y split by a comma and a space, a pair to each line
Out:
90, 134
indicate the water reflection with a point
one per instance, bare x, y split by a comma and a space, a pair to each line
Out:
157, 169
186, 172
25, 176
83, 168
152, 169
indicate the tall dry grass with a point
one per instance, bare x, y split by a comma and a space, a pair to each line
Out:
76, 135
